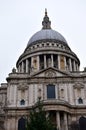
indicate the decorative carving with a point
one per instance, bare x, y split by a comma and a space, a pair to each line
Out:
39, 93
50, 74
78, 85
13, 70
35, 62
23, 86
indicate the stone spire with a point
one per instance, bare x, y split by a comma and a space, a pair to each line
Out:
46, 22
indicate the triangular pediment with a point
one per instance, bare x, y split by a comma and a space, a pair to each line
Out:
51, 72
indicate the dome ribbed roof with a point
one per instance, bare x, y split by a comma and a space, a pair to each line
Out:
46, 33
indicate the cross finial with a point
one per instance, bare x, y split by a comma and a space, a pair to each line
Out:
45, 12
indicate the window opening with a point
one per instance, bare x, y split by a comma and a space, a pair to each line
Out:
51, 91
22, 102
80, 101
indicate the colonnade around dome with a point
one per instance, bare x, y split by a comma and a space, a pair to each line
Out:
43, 61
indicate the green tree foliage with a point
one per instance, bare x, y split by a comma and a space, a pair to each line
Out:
38, 119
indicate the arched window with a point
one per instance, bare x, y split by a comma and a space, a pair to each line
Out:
51, 91
80, 101
22, 124
22, 102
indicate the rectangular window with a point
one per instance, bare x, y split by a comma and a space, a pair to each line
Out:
51, 91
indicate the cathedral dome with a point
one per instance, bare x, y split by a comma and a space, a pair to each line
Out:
46, 34
45, 46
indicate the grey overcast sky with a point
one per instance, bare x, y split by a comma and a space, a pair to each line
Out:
20, 19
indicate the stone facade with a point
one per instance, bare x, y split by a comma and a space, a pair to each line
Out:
50, 70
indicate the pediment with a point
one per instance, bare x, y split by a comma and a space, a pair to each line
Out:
78, 85
50, 72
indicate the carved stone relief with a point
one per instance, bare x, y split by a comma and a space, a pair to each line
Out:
78, 85
23, 86
50, 74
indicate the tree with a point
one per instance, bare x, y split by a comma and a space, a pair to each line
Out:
38, 119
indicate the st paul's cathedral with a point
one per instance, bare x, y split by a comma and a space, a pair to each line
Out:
48, 69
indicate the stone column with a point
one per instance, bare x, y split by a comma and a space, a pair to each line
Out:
26, 65
18, 68
77, 67
12, 127
32, 66
8, 124
45, 61
52, 60
22, 67
45, 92
70, 64
65, 63
38, 63
58, 120
59, 62
65, 121
74, 65
31, 61
16, 123
15, 94
69, 120
56, 92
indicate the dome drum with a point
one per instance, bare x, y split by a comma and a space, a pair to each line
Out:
43, 60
